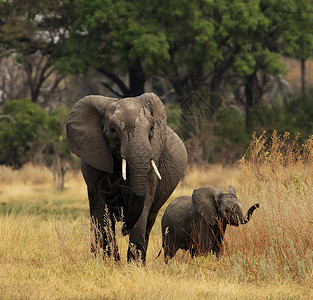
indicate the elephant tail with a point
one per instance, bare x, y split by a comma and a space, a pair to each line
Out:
162, 248
159, 253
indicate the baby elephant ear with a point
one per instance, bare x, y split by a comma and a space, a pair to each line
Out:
231, 190
84, 133
205, 201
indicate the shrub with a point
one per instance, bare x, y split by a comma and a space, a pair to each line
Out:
23, 127
29, 133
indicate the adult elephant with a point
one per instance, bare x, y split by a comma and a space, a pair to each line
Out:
131, 162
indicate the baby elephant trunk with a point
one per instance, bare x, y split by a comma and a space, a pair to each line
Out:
249, 213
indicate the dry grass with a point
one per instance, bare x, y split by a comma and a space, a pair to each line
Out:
29, 174
44, 233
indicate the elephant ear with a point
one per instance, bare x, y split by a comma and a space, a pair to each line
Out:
84, 133
231, 190
205, 200
152, 102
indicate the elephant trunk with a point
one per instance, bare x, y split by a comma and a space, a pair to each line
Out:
249, 213
138, 162
138, 165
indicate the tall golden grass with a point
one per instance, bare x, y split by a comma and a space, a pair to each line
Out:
277, 172
44, 236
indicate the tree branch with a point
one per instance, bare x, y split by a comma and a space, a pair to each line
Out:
112, 90
117, 80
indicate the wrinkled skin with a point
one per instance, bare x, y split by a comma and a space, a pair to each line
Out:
198, 223
102, 132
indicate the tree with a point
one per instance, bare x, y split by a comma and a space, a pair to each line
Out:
31, 30
22, 134
281, 31
12, 80
215, 45
299, 36
29, 133
192, 49
120, 39
61, 158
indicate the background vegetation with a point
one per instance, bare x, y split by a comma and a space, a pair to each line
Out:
223, 68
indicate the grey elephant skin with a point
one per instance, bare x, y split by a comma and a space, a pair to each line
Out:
131, 162
198, 223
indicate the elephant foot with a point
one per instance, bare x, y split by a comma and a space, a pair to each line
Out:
136, 254
125, 230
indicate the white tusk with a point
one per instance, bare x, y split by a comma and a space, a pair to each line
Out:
155, 169
124, 168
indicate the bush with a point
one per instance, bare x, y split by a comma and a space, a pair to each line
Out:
230, 134
298, 115
22, 129
173, 116
29, 133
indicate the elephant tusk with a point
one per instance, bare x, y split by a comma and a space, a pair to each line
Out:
124, 168
155, 169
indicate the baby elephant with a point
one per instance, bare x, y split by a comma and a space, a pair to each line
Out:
198, 223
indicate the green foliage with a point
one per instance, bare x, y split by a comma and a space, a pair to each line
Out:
264, 116
26, 129
202, 47
231, 125
294, 115
56, 124
174, 119
114, 35
299, 36
22, 132
30, 26
230, 131
298, 115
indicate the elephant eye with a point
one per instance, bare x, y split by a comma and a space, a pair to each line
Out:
112, 130
151, 132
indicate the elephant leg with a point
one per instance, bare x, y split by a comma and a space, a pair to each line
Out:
169, 252
218, 238
102, 226
150, 223
217, 247
136, 249
137, 239
96, 220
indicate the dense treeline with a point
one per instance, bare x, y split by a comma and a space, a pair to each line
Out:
217, 65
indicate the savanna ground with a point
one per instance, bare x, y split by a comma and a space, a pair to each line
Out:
44, 236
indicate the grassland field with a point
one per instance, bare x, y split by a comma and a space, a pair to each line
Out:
45, 236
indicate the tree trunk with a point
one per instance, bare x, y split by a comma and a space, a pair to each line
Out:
216, 99
253, 95
249, 103
136, 79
